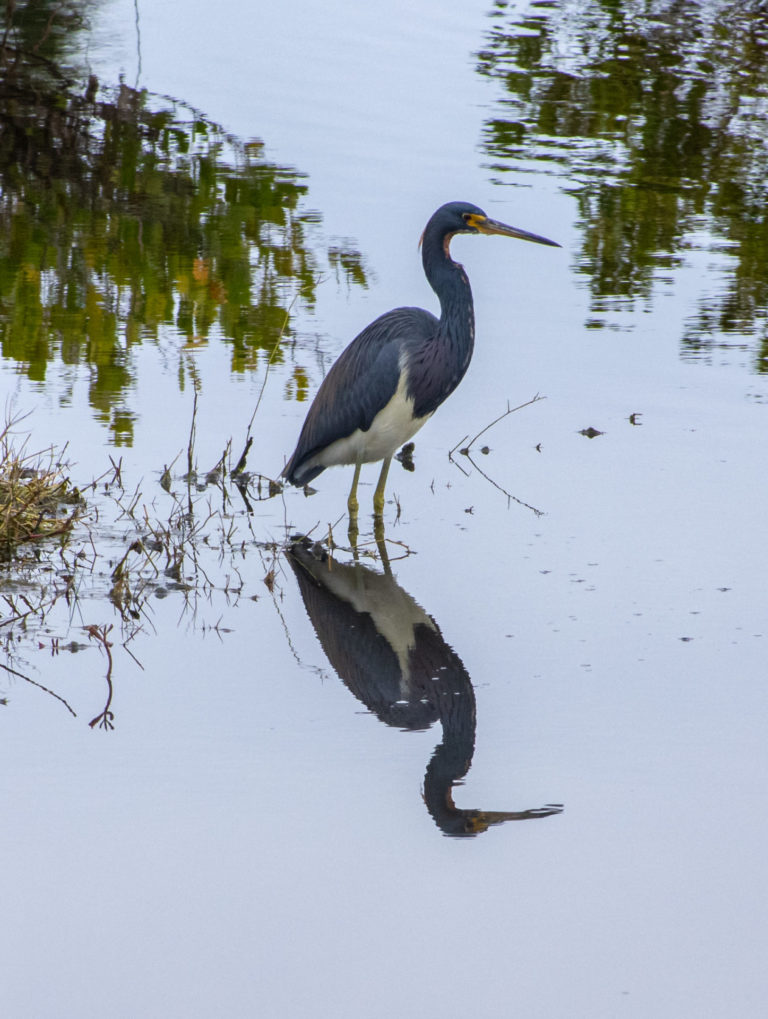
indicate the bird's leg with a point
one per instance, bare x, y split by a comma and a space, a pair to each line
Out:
378, 495
352, 503
353, 506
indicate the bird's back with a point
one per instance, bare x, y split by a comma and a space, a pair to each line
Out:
359, 385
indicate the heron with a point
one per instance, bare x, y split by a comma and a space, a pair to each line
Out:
395, 374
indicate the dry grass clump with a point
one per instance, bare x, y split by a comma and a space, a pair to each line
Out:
34, 494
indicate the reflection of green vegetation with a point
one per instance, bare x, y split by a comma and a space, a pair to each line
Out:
39, 36
120, 214
659, 114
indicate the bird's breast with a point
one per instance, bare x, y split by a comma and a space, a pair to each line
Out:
436, 368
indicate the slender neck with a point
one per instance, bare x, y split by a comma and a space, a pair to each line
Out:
449, 281
442, 358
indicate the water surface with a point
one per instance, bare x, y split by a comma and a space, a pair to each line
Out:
263, 823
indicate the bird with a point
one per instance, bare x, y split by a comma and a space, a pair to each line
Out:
395, 374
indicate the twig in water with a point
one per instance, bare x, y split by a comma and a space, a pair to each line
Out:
104, 720
117, 477
191, 443
510, 497
39, 686
219, 470
510, 410
240, 466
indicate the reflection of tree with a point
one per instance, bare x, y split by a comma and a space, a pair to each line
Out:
40, 34
658, 112
121, 213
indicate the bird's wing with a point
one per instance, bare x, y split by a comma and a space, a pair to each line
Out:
361, 382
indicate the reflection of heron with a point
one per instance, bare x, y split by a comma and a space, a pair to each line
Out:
393, 658
400, 368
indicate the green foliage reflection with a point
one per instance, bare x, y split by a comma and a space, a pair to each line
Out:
658, 112
122, 213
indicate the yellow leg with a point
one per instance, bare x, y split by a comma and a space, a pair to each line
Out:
352, 503
353, 506
378, 495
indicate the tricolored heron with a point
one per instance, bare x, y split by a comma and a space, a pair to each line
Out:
399, 369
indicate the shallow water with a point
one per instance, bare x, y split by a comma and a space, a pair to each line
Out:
268, 828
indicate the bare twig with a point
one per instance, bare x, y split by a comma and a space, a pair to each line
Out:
510, 410
510, 497
105, 719
191, 443
240, 466
39, 686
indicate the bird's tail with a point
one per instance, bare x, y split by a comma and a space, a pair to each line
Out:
296, 471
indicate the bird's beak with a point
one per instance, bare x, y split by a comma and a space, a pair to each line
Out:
484, 225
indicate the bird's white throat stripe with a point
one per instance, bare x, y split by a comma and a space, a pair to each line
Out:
392, 426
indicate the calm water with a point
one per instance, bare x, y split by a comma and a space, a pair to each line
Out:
271, 827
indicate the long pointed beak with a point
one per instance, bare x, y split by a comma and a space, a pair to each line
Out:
481, 820
491, 226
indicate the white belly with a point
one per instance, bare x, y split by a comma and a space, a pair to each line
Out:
392, 426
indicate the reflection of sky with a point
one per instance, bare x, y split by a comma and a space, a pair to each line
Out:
246, 841
340, 96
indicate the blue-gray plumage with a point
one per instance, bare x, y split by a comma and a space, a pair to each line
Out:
400, 368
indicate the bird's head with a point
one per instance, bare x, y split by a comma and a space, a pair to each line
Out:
465, 218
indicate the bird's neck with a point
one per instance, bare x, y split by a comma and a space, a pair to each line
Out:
439, 361
449, 281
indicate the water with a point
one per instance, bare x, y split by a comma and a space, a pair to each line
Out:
250, 837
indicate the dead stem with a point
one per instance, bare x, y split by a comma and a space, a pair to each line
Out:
506, 413
510, 497
105, 719
39, 686
240, 466
191, 443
